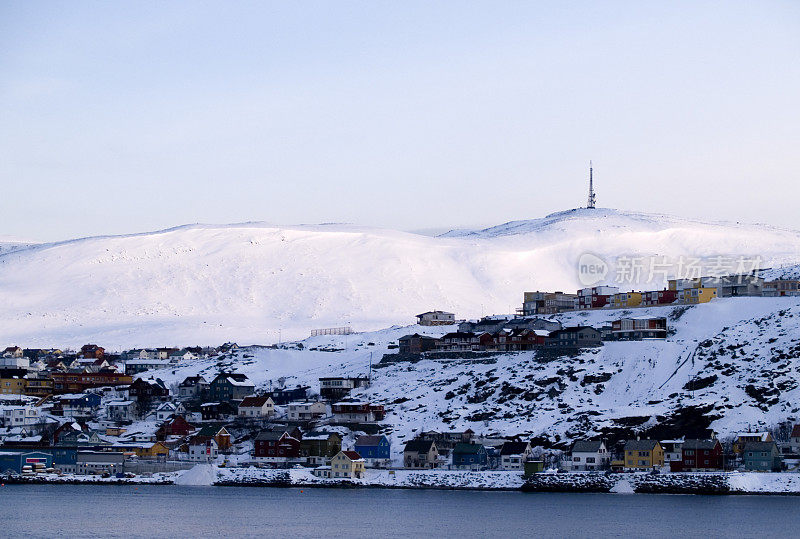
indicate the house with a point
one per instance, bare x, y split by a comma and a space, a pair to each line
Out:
374, 450
595, 297
446, 441
306, 411
420, 455
743, 438
175, 426
347, 465
659, 297
356, 411
220, 434
203, 448
513, 455
230, 386
547, 303
699, 456
589, 455
276, 446
146, 392
13, 351
574, 337
794, 440
18, 415
155, 451
415, 344
338, 388
256, 407
697, 295
12, 384
168, 409
77, 405
317, 447
136, 366
622, 300
436, 318
469, 457
736, 285
762, 457
217, 411
781, 287
643, 455
182, 355
193, 387
636, 329
284, 396
673, 450
92, 351
122, 410
459, 341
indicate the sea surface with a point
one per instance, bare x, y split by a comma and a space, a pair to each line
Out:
178, 511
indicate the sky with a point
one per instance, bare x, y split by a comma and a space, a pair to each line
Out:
125, 117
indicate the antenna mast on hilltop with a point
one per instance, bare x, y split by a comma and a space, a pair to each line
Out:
590, 203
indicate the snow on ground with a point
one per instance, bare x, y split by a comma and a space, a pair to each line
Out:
201, 474
208, 284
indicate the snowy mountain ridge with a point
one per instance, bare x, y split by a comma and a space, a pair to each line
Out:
251, 282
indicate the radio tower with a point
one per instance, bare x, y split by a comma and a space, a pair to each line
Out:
590, 203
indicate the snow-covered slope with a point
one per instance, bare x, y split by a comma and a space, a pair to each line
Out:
207, 284
733, 361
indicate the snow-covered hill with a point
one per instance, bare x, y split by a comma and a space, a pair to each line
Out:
207, 284
733, 363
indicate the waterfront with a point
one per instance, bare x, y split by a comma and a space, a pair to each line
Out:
158, 511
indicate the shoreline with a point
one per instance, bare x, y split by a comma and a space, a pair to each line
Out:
710, 484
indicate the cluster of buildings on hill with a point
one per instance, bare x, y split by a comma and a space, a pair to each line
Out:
513, 334
679, 291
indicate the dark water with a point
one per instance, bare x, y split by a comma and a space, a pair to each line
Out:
173, 511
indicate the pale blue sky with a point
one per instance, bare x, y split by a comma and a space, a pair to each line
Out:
120, 117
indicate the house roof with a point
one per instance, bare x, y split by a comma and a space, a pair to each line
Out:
514, 448
270, 435
352, 455
254, 402
419, 446
762, 436
210, 430
640, 445
586, 446
467, 448
759, 446
369, 440
700, 444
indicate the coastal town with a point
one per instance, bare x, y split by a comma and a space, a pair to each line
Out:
106, 414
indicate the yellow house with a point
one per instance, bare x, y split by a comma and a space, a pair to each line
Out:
156, 450
698, 295
643, 455
626, 299
681, 284
13, 385
347, 465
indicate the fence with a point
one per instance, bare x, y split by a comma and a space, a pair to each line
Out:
332, 331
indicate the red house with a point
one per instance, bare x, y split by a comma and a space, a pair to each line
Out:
276, 445
699, 456
92, 351
177, 426
659, 297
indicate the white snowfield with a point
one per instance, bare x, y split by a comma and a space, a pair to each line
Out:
208, 284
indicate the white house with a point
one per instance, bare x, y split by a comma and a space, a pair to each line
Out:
306, 411
257, 407
169, 409
673, 449
590, 455
119, 410
203, 449
514, 454
21, 415
182, 355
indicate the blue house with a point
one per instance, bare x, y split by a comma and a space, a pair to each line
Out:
469, 457
374, 449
